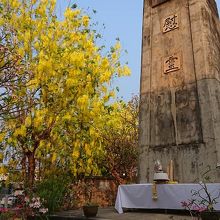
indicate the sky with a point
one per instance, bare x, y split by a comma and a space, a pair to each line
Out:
123, 20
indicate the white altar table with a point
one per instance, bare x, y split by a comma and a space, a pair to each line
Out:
170, 196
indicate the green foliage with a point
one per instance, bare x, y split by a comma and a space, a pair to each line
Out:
6, 215
52, 190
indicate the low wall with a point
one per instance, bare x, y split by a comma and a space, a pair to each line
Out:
103, 190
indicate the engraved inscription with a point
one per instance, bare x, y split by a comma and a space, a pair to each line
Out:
170, 23
171, 63
158, 2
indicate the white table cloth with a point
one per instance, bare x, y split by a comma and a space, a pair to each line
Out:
169, 196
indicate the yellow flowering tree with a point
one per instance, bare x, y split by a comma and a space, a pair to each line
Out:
10, 67
63, 96
120, 135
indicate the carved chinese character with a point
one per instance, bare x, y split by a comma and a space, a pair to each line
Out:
171, 63
170, 23
158, 2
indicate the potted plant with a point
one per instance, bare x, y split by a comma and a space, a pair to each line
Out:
202, 203
90, 208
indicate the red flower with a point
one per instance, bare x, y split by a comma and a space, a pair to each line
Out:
3, 210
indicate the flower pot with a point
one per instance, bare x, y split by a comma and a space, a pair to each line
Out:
90, 210
210, 215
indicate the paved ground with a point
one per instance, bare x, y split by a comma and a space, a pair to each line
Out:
110, 214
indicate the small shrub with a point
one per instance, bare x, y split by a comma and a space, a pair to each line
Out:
52, 190
6, 215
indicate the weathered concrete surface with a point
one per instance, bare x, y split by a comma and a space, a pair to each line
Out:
111, 214
180, 111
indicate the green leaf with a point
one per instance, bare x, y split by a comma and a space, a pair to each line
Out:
74, 6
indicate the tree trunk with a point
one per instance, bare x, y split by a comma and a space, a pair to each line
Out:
23, 165
31, 168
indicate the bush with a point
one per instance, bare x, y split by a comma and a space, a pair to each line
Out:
52, 190
7, 215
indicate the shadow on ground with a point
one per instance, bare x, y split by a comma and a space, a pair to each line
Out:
131, 214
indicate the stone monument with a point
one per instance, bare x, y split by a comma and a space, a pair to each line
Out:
180, 88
